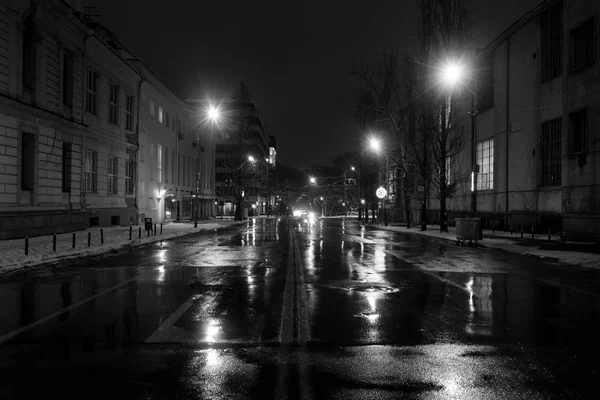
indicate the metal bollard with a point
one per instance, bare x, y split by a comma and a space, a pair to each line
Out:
101, 236
130, 231
493, 227
89, 239
54, 242
511, 229
532, 232
161, 228
139, 232
550, 234
154, 229
564, 237
26, 245
521, 231
73, 240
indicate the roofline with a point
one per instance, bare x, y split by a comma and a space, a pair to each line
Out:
515, 26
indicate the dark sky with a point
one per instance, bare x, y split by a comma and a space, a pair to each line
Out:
294, 57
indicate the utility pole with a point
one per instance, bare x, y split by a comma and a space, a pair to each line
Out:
345, 196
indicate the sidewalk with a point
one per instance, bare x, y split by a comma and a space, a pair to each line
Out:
13, 258
574, 253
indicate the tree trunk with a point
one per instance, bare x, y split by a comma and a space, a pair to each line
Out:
442, 177
407, 207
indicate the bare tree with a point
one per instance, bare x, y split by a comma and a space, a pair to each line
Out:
442, 34
383, 104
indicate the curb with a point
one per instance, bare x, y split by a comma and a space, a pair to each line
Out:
53, 262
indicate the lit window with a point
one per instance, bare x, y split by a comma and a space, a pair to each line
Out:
113, 166
160, 114
159, 163
485, 160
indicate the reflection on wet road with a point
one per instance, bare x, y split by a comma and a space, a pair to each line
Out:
280, 309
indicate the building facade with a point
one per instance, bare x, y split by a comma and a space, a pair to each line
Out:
534, 143
64, 145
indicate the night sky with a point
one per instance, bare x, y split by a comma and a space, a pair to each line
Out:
295, 58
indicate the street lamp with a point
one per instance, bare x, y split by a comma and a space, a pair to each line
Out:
213, 114
313, 180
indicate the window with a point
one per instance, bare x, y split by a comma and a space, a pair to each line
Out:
66, 167
91, 168
550, 152
129, 176
67, 79
160, 114
485, 85
173, 123
113, 104
578, 131
142, 153
113, 166
485, 160
27, 161
166, 119
29, 53
129, 113
159, 162
91, 90
551, 26
166, 165
152, 108
582, 45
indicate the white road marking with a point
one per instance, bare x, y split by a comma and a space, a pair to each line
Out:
302, 317
286, 329
163, 331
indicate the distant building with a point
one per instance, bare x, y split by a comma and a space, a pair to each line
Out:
240, 136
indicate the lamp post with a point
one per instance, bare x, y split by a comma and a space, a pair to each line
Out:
213, 115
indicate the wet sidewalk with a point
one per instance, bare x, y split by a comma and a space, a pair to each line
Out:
574, 253
41, 249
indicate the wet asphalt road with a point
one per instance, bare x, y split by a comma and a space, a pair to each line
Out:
277, 309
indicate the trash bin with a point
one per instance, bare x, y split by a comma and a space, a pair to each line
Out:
148, 223
468, 230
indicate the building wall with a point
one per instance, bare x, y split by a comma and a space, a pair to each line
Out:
109, 139
45, 206
574, 203
174, 196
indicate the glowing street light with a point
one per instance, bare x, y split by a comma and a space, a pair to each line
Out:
250, 158
375, 144
452, 74
313, 180
213, 113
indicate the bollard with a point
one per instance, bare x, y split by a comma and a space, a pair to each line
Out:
26, 245
161, 228
73, 239
521, 231
493, 227
532, 232
154, 229
511, 229
550, 234
139, 232
54, 242
101, 236
89, 239
130, 231
148, 230
564, 237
